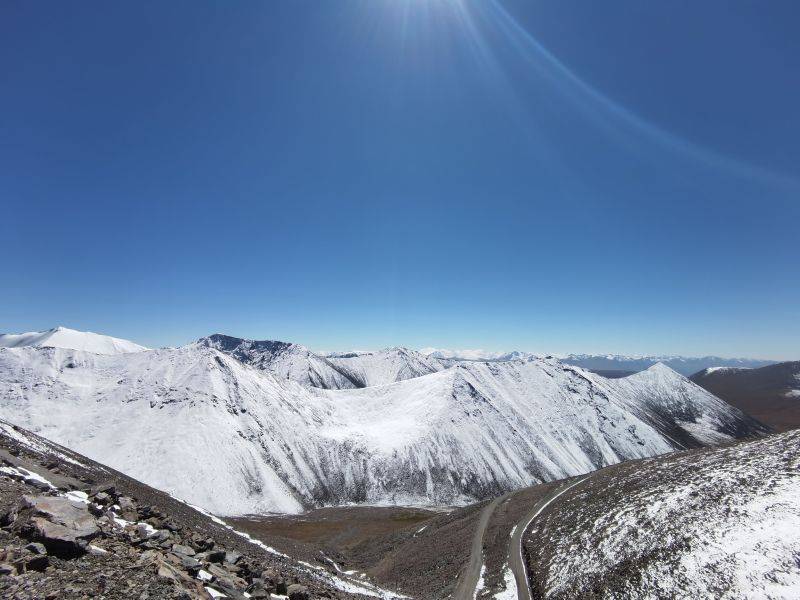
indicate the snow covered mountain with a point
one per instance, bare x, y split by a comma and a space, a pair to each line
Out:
476, 355
607, 362
235, 439
61, 337
335, 371
682, 364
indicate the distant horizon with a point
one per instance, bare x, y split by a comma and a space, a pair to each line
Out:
423, 349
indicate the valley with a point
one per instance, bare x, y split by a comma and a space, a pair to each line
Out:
401, 475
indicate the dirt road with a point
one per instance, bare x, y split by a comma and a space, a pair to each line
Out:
468, 581
515, 559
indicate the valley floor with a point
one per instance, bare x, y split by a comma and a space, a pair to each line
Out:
696, 524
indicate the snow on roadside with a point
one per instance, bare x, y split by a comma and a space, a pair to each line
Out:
510, 591
481, 582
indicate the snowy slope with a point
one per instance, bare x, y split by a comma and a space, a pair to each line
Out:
722, 523
235, 439
61, 337
335, 371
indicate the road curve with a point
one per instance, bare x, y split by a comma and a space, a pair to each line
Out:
468, 581
515, 559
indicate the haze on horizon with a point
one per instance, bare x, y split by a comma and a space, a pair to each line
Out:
548, 177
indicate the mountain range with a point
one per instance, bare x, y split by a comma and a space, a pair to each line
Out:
237, 426
612, 364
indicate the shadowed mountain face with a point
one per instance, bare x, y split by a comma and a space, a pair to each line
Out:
612, 374
771, 394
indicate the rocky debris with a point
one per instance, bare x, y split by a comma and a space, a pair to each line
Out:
46, 539
181, 549
273, 579
125, 540
60, 525
127, 508
298, 592
36, 548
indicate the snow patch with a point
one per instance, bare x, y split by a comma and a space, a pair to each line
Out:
509, 592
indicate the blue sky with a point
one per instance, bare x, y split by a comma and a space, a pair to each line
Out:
548, 176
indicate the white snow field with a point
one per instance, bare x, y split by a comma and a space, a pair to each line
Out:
235, 439
62, 337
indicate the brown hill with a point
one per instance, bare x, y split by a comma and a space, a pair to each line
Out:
771, 394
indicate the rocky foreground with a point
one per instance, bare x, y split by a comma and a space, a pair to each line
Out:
70, 528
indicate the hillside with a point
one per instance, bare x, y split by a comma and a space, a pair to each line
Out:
235, 440
771, 394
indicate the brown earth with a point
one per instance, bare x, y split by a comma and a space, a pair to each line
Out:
771, 394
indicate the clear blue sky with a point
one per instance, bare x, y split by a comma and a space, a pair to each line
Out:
549, 176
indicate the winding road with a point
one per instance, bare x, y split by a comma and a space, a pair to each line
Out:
515, 559
465, 590
468, 582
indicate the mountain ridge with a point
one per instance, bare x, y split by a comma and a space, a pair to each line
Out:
685, 365
346, 370
270, 444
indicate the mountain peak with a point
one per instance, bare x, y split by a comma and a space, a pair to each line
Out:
70, 339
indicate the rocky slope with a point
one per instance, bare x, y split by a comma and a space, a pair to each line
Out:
62, 337
235, 439
72, 528
771, 393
